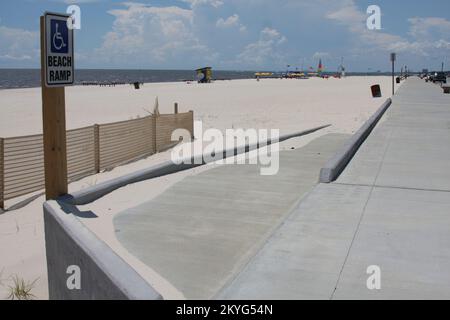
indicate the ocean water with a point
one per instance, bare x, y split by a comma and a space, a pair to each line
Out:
29, 78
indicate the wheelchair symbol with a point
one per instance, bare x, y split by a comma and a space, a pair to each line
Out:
58, 40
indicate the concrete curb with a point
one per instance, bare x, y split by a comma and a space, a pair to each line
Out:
93, 193
103, 275
334, 167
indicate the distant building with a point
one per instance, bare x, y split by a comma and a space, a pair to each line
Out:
204, 75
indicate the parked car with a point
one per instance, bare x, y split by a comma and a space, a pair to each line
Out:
439, 77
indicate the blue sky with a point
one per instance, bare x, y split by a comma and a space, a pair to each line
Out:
235, 34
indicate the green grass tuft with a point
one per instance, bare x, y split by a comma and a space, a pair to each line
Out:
20, 289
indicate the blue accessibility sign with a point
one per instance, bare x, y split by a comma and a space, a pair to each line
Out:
59, 57
59, 34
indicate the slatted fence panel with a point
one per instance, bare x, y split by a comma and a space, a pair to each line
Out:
23, 165
167, 123
2, 170
124, 141
80, 153
89, 150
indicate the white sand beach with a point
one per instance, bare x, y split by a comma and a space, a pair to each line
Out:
288, 105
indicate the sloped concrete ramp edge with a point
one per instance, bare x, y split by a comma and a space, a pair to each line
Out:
82, 267
93, 193
333, 168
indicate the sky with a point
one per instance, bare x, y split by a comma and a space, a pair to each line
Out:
235, 34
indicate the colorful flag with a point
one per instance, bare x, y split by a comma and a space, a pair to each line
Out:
320, 68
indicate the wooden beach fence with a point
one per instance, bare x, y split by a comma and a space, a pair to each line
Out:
2, 204
89, 150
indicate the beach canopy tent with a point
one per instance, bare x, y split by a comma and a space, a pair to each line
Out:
295, 75
204, 75
263, 74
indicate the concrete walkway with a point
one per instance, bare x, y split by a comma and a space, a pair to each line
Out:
200, 233
389, 208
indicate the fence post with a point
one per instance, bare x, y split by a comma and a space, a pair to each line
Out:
192, 124
2, 173
97, 147
176, 108
154, 117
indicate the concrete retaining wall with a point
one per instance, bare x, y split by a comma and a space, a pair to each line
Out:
103, 275
334, 167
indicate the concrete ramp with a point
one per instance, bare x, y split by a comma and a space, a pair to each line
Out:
200, 233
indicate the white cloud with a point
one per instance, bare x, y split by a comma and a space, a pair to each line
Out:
143, 34
80, 1
214, 3
349, 15
231, 22
321, 55
192, 34
265, 51
427, 33
442, 44
18, 44
228, 22
425, 28
355, 20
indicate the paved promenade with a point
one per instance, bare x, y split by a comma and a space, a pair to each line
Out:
389, 208
231, 233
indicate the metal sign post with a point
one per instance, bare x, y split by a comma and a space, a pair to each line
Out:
57, 71
393, 58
